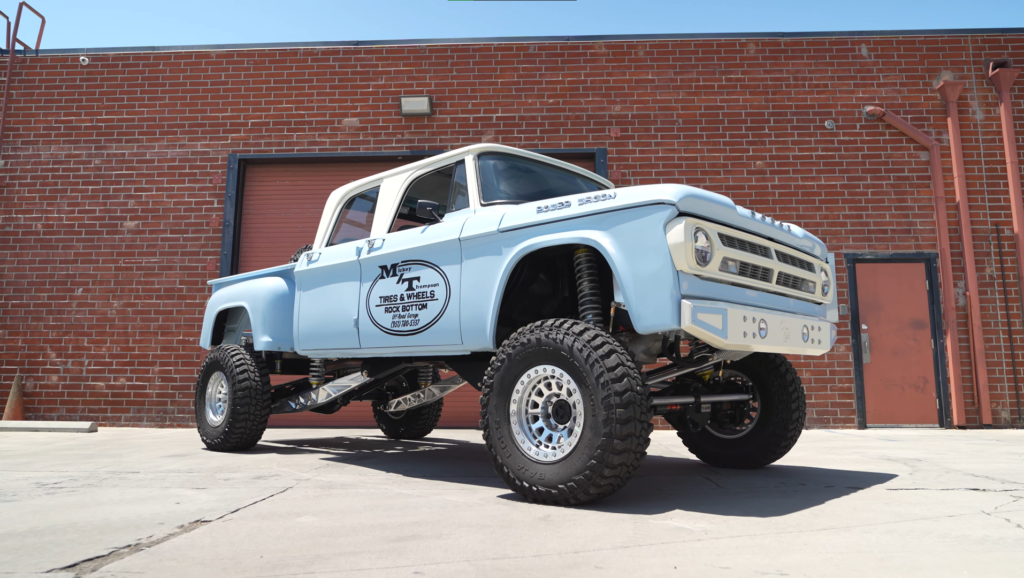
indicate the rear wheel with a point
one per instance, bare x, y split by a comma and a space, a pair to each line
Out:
565, 415
298, 253
410, 424
232, 402
751, 434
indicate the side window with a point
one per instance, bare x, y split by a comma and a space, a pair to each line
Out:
356, 218
445, 186
512, 179
460, 189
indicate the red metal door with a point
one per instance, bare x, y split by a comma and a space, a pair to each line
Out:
896, 343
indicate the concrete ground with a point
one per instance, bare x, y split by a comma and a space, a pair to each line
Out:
150, 502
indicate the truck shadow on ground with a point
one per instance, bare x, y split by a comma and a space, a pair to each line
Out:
663, 484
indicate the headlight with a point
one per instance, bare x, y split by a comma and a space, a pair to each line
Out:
702, 250
826, 286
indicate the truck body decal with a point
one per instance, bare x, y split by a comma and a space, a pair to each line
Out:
408, 298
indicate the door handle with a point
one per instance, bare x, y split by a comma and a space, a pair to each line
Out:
312, 256
372, 244
865, 348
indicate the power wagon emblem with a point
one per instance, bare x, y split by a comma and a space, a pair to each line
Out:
408, 297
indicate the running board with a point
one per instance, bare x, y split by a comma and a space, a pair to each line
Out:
322, 395
426, 395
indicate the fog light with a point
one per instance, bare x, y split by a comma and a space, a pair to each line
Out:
805, 333
807, 286
762, 328
834, 334
729, 266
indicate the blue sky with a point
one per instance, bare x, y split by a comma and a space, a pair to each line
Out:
105, 23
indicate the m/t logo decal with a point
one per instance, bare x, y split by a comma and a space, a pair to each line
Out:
408, 298
388, 271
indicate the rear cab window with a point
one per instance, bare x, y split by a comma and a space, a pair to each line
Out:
356, 218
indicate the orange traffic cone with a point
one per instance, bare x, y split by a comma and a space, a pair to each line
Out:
15, 410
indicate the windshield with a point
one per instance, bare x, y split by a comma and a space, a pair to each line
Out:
513, 179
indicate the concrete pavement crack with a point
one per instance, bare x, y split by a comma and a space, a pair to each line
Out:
717, 485
907, 462
951, 490
992, 513
90, 565
621, 548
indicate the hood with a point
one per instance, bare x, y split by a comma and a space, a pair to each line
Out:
687, 200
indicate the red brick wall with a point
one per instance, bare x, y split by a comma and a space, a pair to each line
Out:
113, 183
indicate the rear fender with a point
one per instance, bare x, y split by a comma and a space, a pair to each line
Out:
269, 304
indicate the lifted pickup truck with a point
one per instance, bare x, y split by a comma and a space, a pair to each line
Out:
578, 309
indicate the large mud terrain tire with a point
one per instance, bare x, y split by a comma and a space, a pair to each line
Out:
565, 414
298, 253
411, 424
781, 411
232, 399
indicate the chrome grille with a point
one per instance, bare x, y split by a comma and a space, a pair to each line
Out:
755, 272
793, 282
743, 259
794, 261
745, 246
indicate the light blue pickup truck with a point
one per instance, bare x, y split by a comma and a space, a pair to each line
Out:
578, 309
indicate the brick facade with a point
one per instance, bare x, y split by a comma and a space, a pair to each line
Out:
113, 176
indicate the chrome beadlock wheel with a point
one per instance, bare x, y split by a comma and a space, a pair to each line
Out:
217, 399
546, 412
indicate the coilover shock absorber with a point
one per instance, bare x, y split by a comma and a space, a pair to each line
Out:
317, 371
588, 286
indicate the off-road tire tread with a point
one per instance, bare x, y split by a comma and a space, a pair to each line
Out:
415, 424
776, 441
298, 253
250, 399
624, 396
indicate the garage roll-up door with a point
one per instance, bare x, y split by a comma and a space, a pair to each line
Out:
281, 207
282, 204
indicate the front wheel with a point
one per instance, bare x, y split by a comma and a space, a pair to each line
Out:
752, 434
566, 417
232, 399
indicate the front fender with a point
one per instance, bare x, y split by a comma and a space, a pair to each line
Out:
270, 303
632, 242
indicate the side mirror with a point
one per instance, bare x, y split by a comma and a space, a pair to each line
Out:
428, 210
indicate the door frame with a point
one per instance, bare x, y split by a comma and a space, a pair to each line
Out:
234, 182
931, 262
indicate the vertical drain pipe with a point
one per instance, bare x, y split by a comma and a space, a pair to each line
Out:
950, 92
945, 261
1009, 327
1002, 79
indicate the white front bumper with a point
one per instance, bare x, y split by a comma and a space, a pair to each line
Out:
737, 327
